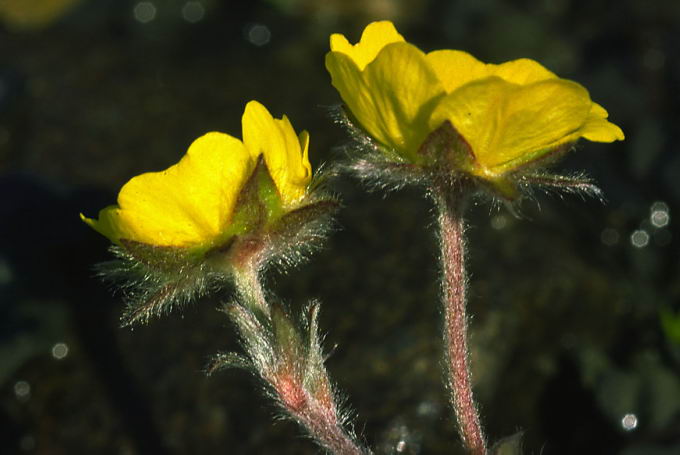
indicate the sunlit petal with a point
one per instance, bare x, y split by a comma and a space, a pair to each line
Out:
277, 141
522, 71
188, 204
505, 122
376, 36
392, 106
456, 68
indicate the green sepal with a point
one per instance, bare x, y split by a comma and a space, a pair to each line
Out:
540, 158
447, 149
295, 220
161, 258
258, 203
257, 206
286, 337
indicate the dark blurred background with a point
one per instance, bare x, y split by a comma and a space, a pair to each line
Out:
576, 326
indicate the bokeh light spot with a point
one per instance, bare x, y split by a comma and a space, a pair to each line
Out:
258, 34
639, 238
658, 215
60, 351
144, 12
22, 390
629, 422
193, 12
610, 236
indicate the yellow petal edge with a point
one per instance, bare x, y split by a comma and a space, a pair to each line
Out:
191, 203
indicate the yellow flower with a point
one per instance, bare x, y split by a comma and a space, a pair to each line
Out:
191, 204
508, 115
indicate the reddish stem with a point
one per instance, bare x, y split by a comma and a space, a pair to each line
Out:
452, 238
322, 424
317, 413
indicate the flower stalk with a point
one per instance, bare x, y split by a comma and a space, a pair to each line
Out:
250, 291
450, 207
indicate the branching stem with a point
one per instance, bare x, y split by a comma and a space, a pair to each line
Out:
298, 383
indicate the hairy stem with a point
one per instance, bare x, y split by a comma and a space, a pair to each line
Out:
328, 434
296, 377
454, 284
250, 290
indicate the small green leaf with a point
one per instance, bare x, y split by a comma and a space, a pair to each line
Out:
670, 324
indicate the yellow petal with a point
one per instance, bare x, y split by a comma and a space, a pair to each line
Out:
404, 99
189, 204
104, 225
507, 124
376, 35
303, 138
541, 116
392, 106
598, 111
349, 82
522, 71
456, 68
284, 152
600, 130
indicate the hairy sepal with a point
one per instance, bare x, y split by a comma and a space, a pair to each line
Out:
155, 280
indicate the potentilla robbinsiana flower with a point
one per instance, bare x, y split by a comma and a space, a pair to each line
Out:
227, 204
191, 204
500, 118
